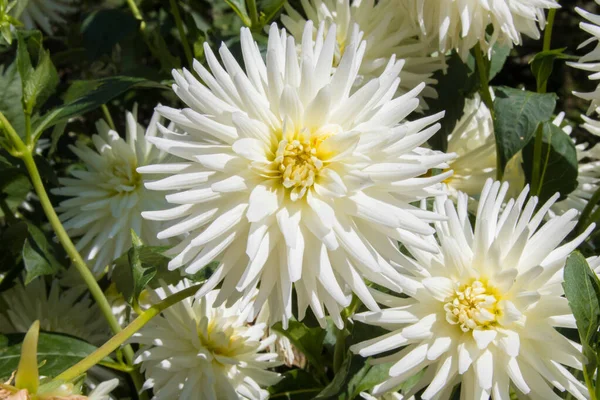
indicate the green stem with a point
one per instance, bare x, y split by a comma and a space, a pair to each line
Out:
186, 46
253, 12
28, 128
536, 183
108, 117
137, 14
484, 88
587, 211
339, 352
589, 383
17, 144
113, 343
548, 29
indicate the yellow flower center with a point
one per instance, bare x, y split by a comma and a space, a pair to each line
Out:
298, 165
220, 339
472, 306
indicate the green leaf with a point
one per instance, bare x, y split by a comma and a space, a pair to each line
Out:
14, 183
518, 113
453, 87
542, 65
239, 7
38, 255
38, 82
56, 352
499, 55
296, 384
10, 94
308, 340
558, 163
146, 266
582, 289
12, 239
84, 96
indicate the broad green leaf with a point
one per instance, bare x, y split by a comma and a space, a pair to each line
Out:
12, 239
40, 80
542, 65
518, 113
296, 384
558, 164
38, 255
91, 95
14, 185
499, 55
582, 289
308, 340
458, 83
55, 353
11, 93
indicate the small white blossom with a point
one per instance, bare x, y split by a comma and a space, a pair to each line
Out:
483, 311
108, 196
202, 351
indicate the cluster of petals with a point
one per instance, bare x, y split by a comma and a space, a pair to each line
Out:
201, 351
483, 310
384, 27
291, 178
107, 197
461, 25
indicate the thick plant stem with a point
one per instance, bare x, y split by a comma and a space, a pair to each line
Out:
108, 117
120, 338
589, 383
484, 89
584, 218
186, 46
253, 13
548, 29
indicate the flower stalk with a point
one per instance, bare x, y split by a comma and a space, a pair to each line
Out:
116, 341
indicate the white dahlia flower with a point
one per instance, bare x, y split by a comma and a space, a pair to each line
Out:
385, 396
483, 312
591, 61
291, 181
387, 32
43, 14
474, 143
60, 311
461, 25
202, 351
108, 196
588, 177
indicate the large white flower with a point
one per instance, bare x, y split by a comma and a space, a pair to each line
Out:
483, 311
387, 32
290, 180
462, 24
60, 311
108, 195
42, 14
202, 351
474, 143
591, 61
588, 177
